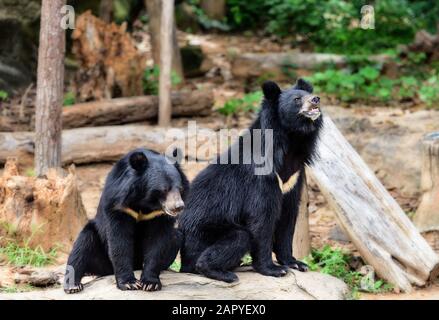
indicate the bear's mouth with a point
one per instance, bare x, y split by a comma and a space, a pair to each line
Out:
310, 108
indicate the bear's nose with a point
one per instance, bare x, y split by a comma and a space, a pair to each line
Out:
315, 100
179, 207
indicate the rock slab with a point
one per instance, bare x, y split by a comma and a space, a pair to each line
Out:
180, 286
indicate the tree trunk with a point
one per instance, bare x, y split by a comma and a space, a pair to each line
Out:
165, 104
301, 241
214, 9
135, 109
41, 212
154, 13
370, 217
427, 215
106, 10
50, 82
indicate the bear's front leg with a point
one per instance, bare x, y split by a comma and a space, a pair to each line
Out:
159, 249
285, 227
261, 230
121, 251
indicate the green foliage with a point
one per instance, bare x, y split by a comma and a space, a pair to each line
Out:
17, 289
247, 260
151, 78
25, 255
176, 266
30, 172
248, 103
69, 99
335, 262
243, 14
3, 95
204, 20
363, 81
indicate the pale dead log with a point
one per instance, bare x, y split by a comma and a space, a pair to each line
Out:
165, 83
135, 109
301, 240
377, 226
50, 85
427, 215
100, 144
250, 65
40, 212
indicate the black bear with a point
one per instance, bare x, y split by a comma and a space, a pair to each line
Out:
231, 211
134, 228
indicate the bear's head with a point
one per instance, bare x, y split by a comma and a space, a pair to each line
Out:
298, 109
154, 184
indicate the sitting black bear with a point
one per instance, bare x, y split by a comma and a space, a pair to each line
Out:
231, 210
134, 225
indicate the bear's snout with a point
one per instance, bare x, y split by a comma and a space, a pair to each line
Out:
173, 204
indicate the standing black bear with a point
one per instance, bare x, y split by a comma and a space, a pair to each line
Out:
134, 225
231, 211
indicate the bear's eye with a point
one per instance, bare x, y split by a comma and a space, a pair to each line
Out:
298, 99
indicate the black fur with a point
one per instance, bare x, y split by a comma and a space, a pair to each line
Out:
231, 211
113, 242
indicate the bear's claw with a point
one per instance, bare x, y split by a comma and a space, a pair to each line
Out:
74, 289
129, 286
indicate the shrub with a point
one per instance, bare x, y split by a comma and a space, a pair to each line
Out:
151, 80
248, 103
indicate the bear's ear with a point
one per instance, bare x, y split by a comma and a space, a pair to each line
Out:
304, 85
138, 161
271, 90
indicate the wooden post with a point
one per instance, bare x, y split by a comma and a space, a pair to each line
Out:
106, 10
154, 8
301, 241
165, 86
370, 217
214, 9
50, 84
427, 215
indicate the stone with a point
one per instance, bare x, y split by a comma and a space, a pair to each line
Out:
294, 286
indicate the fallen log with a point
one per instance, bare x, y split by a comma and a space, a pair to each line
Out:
370, 217
427, 215
112, 111
135, 109
252, 65
100, 144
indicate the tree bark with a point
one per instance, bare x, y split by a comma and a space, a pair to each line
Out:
154, 13
370, 217
106, 10
135, 109
214, 9
301, 241
44, 212
50, 83
165, 103
427, 215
